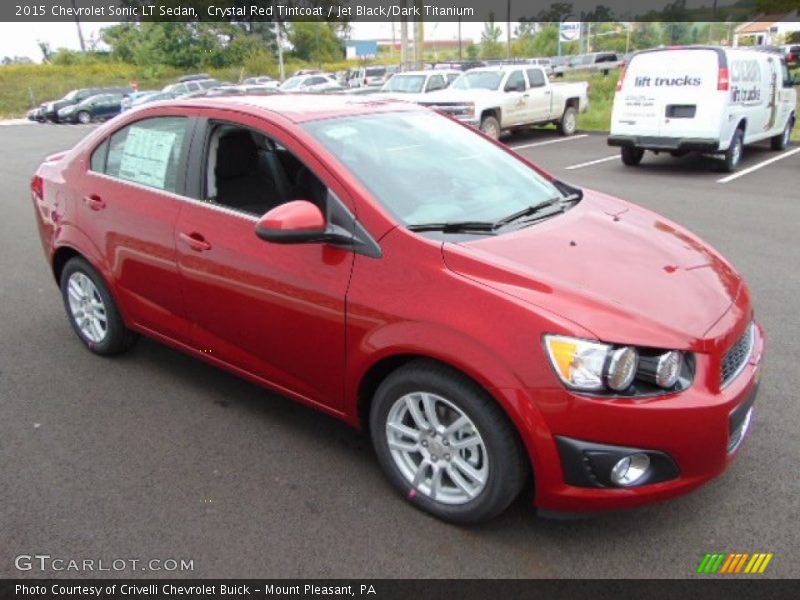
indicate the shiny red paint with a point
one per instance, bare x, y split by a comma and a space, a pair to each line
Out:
322, 324
293, 216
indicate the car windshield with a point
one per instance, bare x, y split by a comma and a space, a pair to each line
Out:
482, 80
406, 84
425, 168
71, 95
293, 82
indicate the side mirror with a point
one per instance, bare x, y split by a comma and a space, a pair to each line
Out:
299, 222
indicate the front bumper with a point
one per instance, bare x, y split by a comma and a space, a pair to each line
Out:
671, 144
693, 429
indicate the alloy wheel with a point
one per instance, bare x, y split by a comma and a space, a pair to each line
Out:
437, 448
87, 308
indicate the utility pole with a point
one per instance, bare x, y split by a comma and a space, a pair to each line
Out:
419, 38
460, 56
508, 26
403, 39
281, 70
78, 25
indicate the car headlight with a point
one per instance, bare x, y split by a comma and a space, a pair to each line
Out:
591, 366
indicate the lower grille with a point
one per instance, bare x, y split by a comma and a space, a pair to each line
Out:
736, 358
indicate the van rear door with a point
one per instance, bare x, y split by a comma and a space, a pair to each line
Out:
670, 93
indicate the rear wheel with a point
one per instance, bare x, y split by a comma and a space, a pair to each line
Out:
733, 155
490, 126
631, 156
445, 444
568, 124
92, 311
779, 142
84, 117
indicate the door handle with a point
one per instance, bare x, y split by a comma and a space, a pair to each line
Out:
195, 241
94, 202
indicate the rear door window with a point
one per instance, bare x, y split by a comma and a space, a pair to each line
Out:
147, 152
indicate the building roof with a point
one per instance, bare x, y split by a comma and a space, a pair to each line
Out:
762, 25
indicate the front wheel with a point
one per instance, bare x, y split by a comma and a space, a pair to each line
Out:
781, 141
84, 117
490, 126
631, 156
568, 124
92, 311
445, 444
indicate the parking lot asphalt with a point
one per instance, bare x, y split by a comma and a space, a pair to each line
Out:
154, 455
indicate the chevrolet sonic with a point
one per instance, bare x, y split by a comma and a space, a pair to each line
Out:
485, 322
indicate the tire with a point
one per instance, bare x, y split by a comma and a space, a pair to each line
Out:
495, 457
733, 155
678, 153
82, 287
631, 156
781, 141
490, 126
568, 124
84, 118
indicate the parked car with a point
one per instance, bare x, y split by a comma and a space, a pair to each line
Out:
396, 270
792, 53
560, 65
309, 83
157, 97
50, 110
95, 108
415, 85
129, 99
261, 80
191, 85
496, 99
36, 114
603, 62
370, 76
702, 98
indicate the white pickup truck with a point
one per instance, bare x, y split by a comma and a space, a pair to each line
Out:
500, 98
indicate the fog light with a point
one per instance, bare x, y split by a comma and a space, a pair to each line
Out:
630, 469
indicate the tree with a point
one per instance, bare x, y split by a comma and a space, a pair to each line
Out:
490, 39
315, 41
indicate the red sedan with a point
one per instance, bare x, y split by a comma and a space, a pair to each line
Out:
484, 321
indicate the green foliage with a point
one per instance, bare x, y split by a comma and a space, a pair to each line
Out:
490, 39
316, 41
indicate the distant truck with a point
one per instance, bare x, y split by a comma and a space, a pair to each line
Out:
500, 98
702, 98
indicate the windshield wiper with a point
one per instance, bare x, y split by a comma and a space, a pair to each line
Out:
527, 212
455, 226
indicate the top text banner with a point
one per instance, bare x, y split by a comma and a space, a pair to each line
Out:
390, 10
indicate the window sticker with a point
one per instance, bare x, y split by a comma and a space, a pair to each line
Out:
146, 156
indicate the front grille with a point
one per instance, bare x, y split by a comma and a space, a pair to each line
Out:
736, 358
452, 108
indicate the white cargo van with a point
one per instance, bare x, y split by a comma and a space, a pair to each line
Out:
702, 98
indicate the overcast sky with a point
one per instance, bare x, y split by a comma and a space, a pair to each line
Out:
20, 39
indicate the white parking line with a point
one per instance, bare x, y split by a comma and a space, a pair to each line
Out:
555, 141
592, 162
756, 167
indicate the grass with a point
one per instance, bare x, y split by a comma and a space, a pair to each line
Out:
25, 86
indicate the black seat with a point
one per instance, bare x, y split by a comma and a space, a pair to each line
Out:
240, 183
307, 186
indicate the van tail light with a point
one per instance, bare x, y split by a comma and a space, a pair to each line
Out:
621, 78
723, 82
37, 187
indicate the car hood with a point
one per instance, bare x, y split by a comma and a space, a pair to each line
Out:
620, 272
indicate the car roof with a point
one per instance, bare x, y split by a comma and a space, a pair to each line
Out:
301, 108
